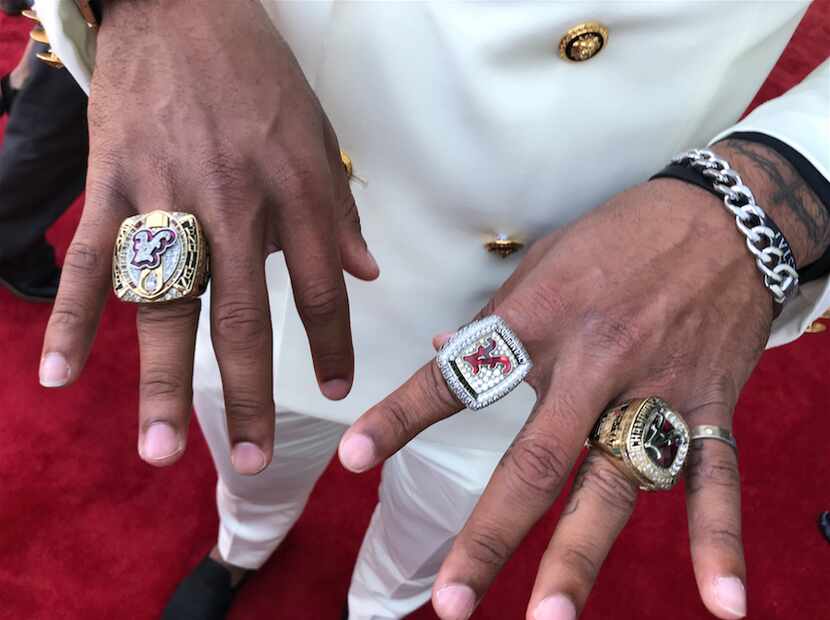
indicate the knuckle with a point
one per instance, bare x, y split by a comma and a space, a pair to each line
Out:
240, 322
727, 538
223, 172
398, 418
332, 362
608, 484
159, 384
580, 563
537, 464
82, 259
153, 319
715, 398
67, 316
299, 178
719, 472
245, 410
488, 548
615, 335
319, 301
436, 389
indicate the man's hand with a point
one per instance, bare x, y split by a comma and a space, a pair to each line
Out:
652, 293
201, 109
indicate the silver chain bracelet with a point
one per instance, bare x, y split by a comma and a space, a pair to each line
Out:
765, 241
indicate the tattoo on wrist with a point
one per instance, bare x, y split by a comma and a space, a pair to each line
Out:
782, 192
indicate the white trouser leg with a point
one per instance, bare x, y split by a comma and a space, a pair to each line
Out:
426, 495
256, 512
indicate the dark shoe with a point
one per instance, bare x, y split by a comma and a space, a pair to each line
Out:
7, 94
205, 594
13, 7
824, 524
34, 276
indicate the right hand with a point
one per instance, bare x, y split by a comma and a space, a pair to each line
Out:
205, 110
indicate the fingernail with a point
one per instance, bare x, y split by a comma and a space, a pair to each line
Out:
455, 602
731, 595
247, 458
556, 607
160, 442
336, 389
54, 371
357, 452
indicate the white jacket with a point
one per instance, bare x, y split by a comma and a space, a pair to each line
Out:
465, 122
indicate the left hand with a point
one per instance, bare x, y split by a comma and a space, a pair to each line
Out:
654, 293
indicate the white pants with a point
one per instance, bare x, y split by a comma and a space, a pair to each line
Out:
426, 494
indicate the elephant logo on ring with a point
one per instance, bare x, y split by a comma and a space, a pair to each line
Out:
149, 246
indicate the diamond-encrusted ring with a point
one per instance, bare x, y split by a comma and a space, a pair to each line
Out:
160, 256
483, 362
646, 438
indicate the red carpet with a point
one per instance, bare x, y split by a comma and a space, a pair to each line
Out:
87, 531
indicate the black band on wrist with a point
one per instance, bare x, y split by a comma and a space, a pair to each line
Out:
690, 175
811, 176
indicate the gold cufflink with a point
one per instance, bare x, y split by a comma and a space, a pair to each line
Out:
583, 41
503, 246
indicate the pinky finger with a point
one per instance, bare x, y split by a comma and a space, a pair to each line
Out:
713, 499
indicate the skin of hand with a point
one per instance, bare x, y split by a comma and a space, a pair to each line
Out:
200, 109
652, 293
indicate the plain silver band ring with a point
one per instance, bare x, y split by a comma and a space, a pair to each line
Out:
710, 431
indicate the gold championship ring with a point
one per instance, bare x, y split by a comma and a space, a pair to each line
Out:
160, 256
646, 439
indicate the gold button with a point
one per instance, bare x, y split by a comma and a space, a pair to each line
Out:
816, 327
503, 245
39, 35
347, 163
51, 59
583, 41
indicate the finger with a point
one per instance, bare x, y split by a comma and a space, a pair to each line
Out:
521, 489
713, 499
600, 504
85, 280
388, 426
313, 259
241, 334
167, 341
354, 251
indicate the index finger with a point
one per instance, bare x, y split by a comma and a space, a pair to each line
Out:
86, 278
388, 426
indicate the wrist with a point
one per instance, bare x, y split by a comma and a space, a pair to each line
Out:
783, 195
